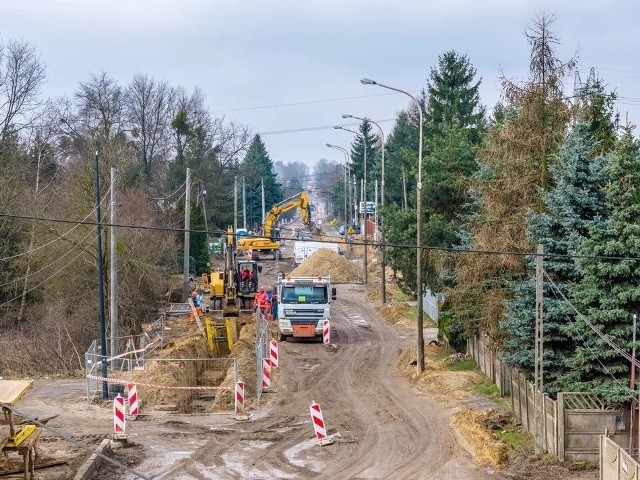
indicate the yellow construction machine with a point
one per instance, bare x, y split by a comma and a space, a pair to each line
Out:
236, 285
268, 243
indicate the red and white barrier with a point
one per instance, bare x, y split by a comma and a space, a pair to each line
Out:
273, 349
318, 423
118, 415
239, 407
326, 332
133, 400
266, 373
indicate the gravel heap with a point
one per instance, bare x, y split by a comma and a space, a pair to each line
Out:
327, 263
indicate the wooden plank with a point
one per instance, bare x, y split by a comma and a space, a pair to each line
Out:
11, 391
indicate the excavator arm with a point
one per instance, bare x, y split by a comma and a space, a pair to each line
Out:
300, 200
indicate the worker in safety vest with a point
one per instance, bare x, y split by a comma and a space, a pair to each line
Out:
197, 301
258, 300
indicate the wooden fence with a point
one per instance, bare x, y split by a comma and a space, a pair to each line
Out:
568, 427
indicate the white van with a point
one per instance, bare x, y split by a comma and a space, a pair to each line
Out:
303, 250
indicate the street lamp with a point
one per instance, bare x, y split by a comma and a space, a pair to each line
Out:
420, 359
364, 198
384, 254
346, 170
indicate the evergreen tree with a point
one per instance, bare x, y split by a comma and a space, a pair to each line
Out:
574, 201
400, 157
453, 97
371, 141
258, 167
609, 292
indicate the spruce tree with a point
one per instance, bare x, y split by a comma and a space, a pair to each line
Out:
575, 199
453, 97
371, 141
256, 167
609, 293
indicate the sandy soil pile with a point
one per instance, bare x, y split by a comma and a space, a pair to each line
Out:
473, 428
173, 373
325, 263
245, 351
394, 312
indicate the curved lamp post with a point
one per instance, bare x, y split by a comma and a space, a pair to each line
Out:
420, 359
364, 198
384, 253
346, 182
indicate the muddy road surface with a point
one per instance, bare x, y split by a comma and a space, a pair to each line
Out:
382, 428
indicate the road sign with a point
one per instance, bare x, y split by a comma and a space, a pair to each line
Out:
371, 208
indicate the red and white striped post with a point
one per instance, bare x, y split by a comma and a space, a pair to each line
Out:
266, 373
273, 349
318, 425
326, 332
118, 415
133, 400
239, 407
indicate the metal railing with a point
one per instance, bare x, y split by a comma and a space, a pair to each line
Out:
262, 349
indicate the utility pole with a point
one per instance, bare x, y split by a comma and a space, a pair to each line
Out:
634, 402
101, 314
235, 205
375, 215
539, 331
262, 184
187, 239
244, 204
364, 194
201, 200
345, 194
113, 265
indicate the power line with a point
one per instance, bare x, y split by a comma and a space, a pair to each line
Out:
307, 102
555, 289
324, 127
356, 243
60, 237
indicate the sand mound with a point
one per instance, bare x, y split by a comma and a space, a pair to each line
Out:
327, 263
472, 426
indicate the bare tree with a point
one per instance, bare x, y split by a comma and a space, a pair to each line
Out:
100, 108
148, 108
22, 73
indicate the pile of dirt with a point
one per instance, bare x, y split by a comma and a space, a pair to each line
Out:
394, 312
245, 351
473, 429
327, 263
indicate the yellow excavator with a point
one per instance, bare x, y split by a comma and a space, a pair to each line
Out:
268, 244
236, 285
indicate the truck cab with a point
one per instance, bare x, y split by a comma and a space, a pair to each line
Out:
304, 303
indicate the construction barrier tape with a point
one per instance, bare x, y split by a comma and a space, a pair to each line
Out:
124, 382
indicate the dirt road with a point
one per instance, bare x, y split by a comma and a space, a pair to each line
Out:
383, 428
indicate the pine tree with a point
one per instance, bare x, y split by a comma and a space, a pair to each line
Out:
400, 157
609, 293
574, 201
453, 97
258, 167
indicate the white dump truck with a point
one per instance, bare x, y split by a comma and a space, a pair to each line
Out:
304, 303
303, 250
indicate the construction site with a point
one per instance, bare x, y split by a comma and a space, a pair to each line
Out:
208, 392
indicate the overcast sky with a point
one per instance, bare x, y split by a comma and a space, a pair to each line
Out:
249, 55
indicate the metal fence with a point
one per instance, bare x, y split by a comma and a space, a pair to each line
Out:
131, 355
430, 304
262, 349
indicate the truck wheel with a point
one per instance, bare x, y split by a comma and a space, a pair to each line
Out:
281, 337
